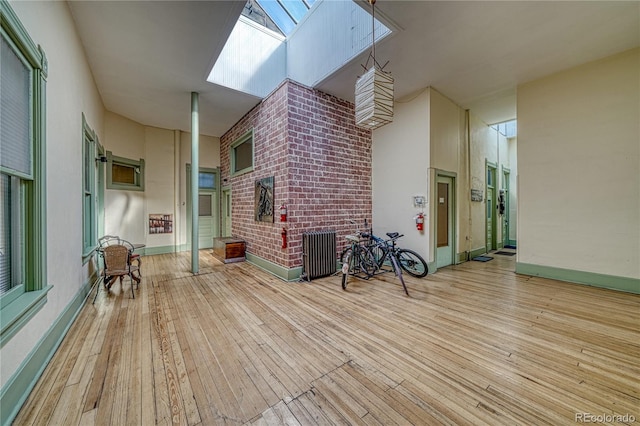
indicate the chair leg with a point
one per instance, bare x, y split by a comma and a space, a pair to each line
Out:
131, 280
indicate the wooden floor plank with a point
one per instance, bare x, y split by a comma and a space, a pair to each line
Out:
473, 344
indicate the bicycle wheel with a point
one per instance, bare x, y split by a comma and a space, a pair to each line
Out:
412, 262
398, 272
378, 254
347, 267
367, 261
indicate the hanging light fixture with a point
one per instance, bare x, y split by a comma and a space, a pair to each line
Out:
374, 89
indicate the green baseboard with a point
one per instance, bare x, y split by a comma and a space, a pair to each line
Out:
149, 251
630, 285
287, 274
16, 391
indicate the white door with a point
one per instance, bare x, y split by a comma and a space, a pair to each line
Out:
206, 219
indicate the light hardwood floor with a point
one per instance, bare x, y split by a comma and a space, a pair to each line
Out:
474, 344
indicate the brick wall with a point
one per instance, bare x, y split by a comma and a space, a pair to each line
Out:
321, 162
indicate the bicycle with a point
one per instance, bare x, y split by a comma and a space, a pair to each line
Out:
386, 249
410, 261
357, 259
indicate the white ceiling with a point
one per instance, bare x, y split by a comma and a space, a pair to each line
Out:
148, 56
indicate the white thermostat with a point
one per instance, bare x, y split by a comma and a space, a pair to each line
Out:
419, 201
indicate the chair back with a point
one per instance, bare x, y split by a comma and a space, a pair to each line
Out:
116, 259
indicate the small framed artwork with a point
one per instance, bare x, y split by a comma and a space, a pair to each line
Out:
264, 199
160, 223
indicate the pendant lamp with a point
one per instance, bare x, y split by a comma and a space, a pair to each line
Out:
374, 90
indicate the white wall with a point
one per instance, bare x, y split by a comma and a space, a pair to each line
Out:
70, 92
579, 168
400, 168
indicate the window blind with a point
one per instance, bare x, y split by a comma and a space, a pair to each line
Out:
15, 115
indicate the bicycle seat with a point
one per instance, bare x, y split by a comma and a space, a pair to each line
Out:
393, 234
355, 238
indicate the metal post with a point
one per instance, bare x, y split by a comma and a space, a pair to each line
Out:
195, 168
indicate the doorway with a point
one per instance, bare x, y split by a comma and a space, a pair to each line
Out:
226, 212
208, 207
491, 241
445, 220
506, 174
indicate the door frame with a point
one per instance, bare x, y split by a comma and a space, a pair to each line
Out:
224, 196
216, 204
506, 220
491, 167
453, 212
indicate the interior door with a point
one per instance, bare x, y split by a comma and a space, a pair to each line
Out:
505, 216
206, 219
444, 222
491, 243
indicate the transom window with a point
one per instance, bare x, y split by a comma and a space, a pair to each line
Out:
124, 173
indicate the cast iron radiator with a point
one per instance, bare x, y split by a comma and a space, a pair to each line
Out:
318, 254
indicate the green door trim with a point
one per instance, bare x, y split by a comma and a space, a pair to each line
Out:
453, 213
224, 207
506, 219
490, 244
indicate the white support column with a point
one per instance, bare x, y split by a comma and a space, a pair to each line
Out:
195, 168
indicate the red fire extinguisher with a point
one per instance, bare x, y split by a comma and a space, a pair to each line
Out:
284, 238
420, 221
283, 213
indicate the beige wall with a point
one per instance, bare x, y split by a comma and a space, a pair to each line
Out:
579, 168
429, 135
400, 163
70, 93
166, 154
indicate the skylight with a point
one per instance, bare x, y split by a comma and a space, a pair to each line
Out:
286, 14
288, 39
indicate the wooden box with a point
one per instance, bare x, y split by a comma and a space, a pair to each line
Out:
229, 249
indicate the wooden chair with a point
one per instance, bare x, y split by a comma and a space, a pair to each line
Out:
109, 240
117, 263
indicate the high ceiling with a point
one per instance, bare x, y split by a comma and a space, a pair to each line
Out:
148, 56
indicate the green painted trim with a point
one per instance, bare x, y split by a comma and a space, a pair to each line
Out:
150, 251
477, 252
19, 312
17, 389
432, 267
462, 257
232, 154
139, 164
631, 285
513, 243
287, 274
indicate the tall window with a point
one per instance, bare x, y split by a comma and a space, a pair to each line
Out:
22, 194
89, 193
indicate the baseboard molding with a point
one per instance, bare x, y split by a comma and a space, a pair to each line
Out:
629, 285
150, 251
17, 389
287, 274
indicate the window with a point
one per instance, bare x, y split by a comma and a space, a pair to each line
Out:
123, 173
23, 69
207, 180
89, 190
242, 154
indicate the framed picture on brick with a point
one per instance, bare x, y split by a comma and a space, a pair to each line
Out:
264, 199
